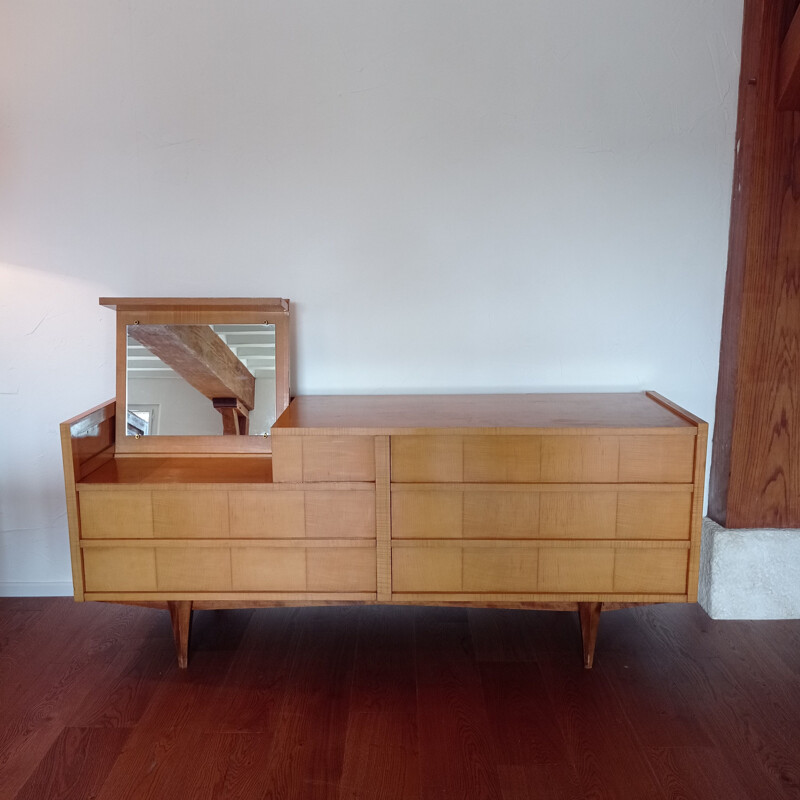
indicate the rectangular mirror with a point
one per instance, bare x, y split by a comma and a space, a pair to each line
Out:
200, 380
199, 375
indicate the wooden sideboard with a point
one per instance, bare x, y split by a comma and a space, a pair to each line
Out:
575, 502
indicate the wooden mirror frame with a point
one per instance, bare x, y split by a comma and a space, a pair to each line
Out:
199, 311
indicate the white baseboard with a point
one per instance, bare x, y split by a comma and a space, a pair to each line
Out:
748, 573
34, 589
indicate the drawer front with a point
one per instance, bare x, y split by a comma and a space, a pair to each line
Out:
116, 514
244, 514
473, 513
304, 569
450, 568
120, 569
190, 514
543, 459
225, 569
298, 459
193, 569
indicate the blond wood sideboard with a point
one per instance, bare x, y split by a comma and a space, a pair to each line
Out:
573, 502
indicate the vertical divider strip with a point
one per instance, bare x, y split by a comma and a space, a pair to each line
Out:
383, 518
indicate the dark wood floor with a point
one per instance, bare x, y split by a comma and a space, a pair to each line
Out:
382, 702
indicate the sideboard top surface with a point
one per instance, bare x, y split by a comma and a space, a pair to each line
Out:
497, 413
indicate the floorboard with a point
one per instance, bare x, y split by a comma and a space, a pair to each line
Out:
395, 703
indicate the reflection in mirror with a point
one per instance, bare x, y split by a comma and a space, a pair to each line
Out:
200, 380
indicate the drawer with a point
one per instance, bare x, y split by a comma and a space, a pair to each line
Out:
295, 514
160, 514
546, 459
202, 568
464, 569
456, 568
150, 569
116, 514
119, 569
193, 569
469, 512
298, 459
193, 514
264, 514
304, 569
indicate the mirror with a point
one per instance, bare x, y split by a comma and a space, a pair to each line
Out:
200, 380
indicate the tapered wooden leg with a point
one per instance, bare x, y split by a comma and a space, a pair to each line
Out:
181, 613
589, 614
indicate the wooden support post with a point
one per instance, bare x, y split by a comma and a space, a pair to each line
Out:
755, 465
180, 612
589, 614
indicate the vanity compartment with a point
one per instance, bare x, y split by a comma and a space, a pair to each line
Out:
459, 570
551, 458
543, 511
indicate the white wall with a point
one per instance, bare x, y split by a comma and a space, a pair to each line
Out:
487, 196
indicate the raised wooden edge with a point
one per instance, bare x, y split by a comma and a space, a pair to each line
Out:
383, 517
696, 525
682, 488
73, 518
274, 304
591, 544
675, 409
92, 417
74, 471
189, 542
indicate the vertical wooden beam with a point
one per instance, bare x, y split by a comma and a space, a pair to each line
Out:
755, 473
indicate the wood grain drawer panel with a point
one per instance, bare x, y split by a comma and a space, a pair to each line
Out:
580, 459
350, 569
116, 515
120, 569
578, 569
427, 459
193, 569
501, 515
651, 571
296, 459
502, 459
267, 514
427, 514
287, 459
656, 459
337, 514
654, 515
268, 569
426, 569
499, 569
338, 458
190, 514
577, 515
